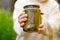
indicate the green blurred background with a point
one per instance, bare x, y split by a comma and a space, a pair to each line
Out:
6, 21
6, 25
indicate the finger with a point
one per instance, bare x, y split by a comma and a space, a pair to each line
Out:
41, 26
42, 13
22, 20
22, 24
40, 30
21, 14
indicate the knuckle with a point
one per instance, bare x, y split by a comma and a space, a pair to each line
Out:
22, 24
25, 18
26, 14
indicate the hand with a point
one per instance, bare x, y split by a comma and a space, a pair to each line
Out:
41, 29
22, 19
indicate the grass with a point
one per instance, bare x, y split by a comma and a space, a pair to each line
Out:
58, 35
6, 25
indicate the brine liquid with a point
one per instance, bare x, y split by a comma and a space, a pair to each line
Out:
34, 19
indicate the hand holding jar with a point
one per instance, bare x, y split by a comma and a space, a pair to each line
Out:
31, 20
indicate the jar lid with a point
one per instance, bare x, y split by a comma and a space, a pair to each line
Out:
32, 6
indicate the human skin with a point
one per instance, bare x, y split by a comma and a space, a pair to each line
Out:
23, 17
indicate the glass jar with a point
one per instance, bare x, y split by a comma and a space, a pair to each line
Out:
34, 18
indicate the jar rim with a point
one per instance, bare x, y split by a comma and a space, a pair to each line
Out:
32, 5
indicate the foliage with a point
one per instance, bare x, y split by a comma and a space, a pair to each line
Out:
58, 35
6, 25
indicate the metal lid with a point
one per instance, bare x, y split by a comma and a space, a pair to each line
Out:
32, 6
